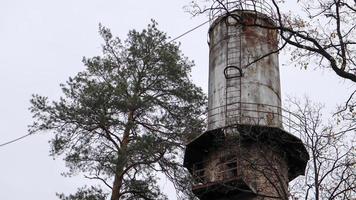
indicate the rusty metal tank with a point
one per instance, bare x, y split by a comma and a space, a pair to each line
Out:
244, 83
245, 133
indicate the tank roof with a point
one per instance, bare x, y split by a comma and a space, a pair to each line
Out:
242, 14
256, 6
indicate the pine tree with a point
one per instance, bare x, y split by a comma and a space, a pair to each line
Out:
126, 117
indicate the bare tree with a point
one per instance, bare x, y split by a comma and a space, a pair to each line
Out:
331, 171
259, 162
320, 33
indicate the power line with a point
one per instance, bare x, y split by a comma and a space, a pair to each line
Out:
170, 41
189, 31
14, 140
176, 38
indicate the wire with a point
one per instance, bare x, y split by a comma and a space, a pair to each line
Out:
15, 140
176, 38
191, 30
170, 41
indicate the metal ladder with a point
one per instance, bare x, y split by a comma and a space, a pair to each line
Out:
233, 74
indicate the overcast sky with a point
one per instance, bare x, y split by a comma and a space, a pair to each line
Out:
42, 43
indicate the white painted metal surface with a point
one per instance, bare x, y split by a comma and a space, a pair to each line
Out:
252, 97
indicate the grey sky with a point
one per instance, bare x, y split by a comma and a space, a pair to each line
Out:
42, 43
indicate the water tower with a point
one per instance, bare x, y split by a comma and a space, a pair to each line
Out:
246, 153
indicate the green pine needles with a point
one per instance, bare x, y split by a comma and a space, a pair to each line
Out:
126, 117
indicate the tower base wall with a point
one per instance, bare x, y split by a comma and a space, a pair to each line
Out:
244, 162
261, 167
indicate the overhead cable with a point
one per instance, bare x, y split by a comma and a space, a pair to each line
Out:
170, 41
14, 140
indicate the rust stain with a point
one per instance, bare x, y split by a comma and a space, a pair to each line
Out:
272, 38
269, 35
269, 118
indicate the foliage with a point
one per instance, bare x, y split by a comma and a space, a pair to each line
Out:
84, 193
126, 117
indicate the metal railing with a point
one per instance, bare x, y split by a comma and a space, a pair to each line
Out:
222, 7
203, 174
248, 113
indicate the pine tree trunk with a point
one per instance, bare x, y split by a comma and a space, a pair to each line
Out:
115, 195
117, 185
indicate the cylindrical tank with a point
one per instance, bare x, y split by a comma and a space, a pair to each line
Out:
244, 83
245, 153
